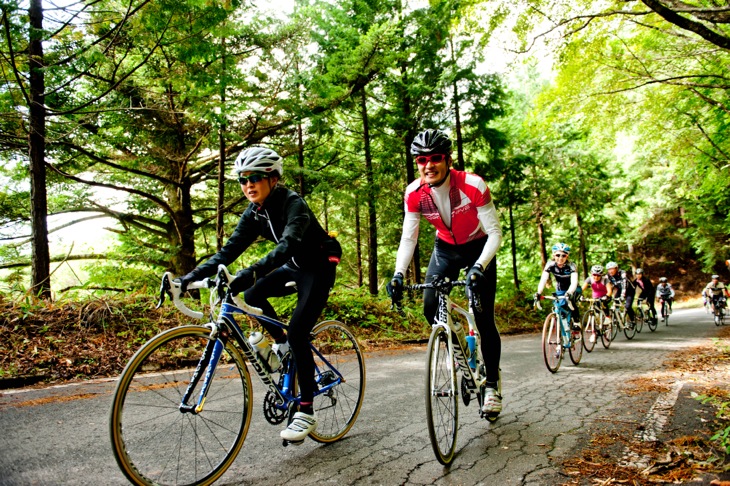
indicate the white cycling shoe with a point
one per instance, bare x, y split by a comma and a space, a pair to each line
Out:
300, 427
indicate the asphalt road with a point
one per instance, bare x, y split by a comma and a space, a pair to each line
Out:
59, 435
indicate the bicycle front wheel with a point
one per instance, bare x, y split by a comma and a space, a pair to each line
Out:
606, 330
640, 319
652, 322
153, 441
552, 347
339, 369
442, 407
629, 329
589, 331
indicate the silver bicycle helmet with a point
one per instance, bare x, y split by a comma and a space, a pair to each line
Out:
663, 279
715, 277
639, 271
258, 159
431, 141
611, 265
597, 270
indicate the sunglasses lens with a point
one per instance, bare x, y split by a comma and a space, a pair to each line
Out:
253, 179
434, 159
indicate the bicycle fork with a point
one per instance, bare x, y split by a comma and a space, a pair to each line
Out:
208, 361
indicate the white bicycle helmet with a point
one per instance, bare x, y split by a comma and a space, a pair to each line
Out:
611, 265
258, 159
663, 279
561, 247
597, 270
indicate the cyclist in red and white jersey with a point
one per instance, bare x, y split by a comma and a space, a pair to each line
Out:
459, 205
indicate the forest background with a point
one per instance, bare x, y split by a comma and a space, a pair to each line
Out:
600, 124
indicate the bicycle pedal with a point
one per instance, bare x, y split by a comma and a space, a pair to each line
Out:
292, 442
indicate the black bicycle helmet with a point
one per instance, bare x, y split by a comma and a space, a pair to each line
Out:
431, 141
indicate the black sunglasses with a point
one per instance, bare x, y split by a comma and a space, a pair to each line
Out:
253, 178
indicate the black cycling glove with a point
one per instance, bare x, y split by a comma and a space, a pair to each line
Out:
395, 287
244, 280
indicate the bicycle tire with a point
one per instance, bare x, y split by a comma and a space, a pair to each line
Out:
552, 346
338, 354
640, 318
152, 440
606, 331
652, 322
576, 348
629, 330
614, 326
442, 405
589, 331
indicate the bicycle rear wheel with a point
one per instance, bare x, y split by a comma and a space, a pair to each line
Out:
339, 361
552, 347
153, 441
589, 331
442, 407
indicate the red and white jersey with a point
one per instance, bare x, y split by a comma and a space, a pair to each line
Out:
466, 193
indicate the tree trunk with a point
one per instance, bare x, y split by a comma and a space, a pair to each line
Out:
410, 170
219, 230
41, 259
457, 116
372, 222
540, 231
358, 241
514, 248
300, 159
582, 243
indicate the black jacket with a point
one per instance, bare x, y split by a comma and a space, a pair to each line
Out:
285, 219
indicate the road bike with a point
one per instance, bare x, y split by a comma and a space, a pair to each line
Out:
718, 305
557, 335
643, 315
619, 321
454, 351
182, 406
665, 310
595, 325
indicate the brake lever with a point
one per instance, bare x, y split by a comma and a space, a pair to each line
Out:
164, 289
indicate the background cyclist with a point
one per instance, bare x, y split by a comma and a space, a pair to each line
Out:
665, 292
601, 287
646, 291
565, 273
623, 288
304, 253
459, 205
715, 290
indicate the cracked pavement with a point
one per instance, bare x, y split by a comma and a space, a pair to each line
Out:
59, 435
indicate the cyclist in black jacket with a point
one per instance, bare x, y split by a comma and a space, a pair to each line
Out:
304, 254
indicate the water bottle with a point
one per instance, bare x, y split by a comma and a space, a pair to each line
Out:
263, 349
471, 340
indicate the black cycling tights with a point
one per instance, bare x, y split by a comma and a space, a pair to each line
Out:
446, 261
313, 289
